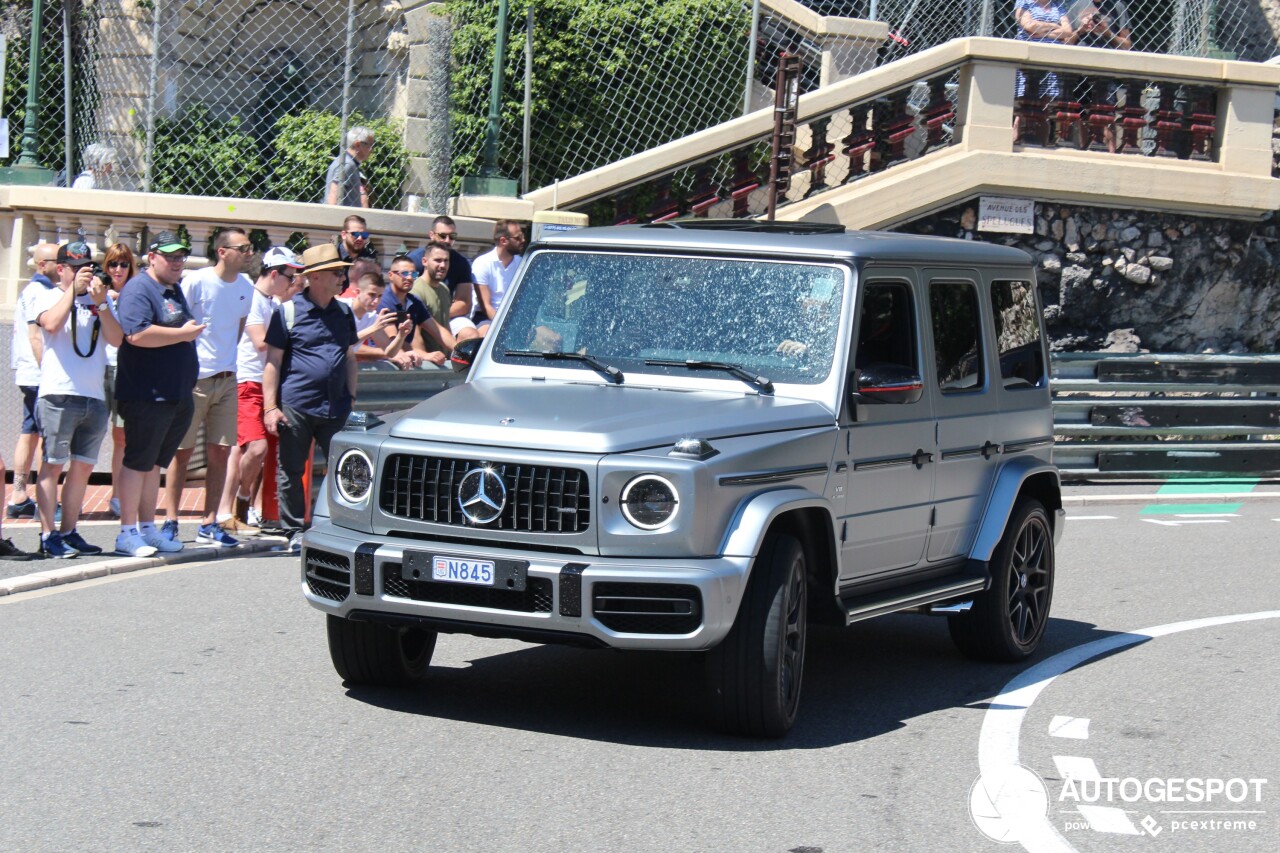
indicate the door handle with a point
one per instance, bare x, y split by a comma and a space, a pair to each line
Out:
920, 458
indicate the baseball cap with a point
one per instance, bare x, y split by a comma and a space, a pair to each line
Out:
74, 254
279, 256
168, 241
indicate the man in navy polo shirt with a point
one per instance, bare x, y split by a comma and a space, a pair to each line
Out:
399, 297
309, 381
155, 377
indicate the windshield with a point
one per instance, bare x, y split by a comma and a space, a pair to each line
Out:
775, 319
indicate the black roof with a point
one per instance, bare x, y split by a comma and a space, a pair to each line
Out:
788, 239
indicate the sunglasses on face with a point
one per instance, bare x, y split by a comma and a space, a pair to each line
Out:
446, 236
123, 265
359, 235
173, 258
243, 248
407, 274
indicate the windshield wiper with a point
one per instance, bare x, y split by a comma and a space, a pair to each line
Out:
761, 382
610, 372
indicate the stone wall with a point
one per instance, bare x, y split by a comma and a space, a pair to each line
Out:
1126, 279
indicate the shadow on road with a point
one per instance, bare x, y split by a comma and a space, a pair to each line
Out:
859, 682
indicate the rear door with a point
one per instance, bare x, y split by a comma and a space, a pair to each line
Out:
966, 408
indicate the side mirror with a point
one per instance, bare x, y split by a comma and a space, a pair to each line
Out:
464, 354
887, 383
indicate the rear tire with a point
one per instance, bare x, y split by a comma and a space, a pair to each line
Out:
379, 655
1008, 621
755, 674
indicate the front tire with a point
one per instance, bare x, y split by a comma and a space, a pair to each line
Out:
368, 653
755, 674
1008, 621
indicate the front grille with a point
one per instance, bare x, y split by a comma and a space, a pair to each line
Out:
536, 597
540, 498
328, 574
647, 608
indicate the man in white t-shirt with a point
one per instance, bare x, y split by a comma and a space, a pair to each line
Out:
276, 283
27, 347
76, 326
219, 297
494, 270
375, 325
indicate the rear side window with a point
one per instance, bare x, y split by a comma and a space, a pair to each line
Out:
957, 335
1013, 305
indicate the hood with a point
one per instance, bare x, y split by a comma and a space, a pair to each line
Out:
593, 417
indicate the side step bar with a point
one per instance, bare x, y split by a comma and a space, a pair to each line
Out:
917, 595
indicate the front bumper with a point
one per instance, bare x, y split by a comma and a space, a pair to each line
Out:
615, 602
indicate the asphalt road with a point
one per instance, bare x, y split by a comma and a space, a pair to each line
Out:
195, 708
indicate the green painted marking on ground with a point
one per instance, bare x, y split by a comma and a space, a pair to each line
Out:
1188, 509
1223, 486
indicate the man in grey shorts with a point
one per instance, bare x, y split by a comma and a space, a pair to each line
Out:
76, 325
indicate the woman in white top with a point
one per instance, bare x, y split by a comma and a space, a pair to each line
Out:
120, 267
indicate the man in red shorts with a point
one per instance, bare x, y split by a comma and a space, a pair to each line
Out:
274, 285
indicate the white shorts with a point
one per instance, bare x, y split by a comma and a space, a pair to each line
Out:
457, 324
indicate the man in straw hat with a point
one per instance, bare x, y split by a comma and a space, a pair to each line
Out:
309, 381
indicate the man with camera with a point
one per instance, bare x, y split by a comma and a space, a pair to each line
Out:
76, 324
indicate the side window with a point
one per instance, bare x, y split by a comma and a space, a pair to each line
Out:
957, 335
887, 327
1013, 305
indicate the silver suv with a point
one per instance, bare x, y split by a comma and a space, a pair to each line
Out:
705, 436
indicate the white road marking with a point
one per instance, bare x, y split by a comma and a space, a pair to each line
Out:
1076, 728
1097, 518
1186, 521
1207, 514
1074, 767
1001, 732
1109, 819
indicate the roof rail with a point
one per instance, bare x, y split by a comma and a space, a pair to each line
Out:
752, 225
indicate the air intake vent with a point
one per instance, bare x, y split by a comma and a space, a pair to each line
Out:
647, 608
328, 574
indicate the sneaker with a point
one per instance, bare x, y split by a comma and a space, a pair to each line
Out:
169, 530
51, 545
253, 517
9, 551
114, 506
25, 509
161, 542
236, 527
75, 540
133, 545
213, 534
57, 513
295, 544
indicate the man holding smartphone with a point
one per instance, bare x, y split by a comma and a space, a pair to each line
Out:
76, 325
399, 298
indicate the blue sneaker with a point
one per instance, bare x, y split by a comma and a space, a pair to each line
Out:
76, 541
57, 513
169, 530
51, 545
23, 509
213, 534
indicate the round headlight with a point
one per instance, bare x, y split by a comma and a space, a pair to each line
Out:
355, 476
650, 501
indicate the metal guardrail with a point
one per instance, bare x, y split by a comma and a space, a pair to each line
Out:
1130, 416
1116, 416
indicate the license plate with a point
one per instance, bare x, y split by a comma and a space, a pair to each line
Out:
465, 569
453, 570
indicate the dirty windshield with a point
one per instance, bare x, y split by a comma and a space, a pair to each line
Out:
778, 320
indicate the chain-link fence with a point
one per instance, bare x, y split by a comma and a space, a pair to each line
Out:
249, 98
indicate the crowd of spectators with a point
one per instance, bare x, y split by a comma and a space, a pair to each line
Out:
162, 357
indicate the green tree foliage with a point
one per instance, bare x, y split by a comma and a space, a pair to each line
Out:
640, 51
305, 145
197, 154
51, 129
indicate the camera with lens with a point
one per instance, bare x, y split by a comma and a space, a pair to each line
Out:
101, 275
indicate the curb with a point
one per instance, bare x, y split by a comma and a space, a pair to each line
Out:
124, 565
1152, 497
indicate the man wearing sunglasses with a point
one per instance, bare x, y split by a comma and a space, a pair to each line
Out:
155, 377
458, 278
219, 297
399, 298
76, 325
353, 241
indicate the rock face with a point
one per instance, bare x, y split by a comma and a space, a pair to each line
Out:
1175, 283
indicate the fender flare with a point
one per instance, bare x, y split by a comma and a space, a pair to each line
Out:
1004, 494
745, 533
